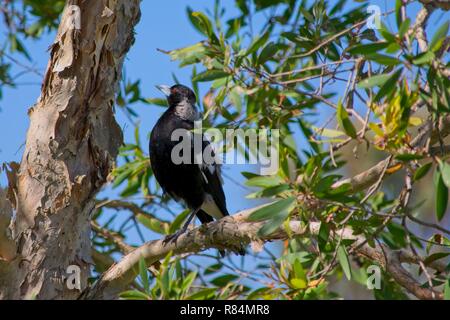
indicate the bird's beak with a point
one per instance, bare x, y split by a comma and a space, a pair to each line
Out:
164, 89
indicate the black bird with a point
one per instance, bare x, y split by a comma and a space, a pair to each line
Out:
198, 185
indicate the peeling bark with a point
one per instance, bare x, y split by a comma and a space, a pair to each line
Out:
71, 146
7, 245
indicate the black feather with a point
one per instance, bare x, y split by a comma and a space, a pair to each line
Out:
189, 182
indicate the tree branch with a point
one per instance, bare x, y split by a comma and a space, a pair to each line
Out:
441, 4
114, 237
234, 231
419, 27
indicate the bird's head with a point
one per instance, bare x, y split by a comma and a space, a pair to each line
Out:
178, 94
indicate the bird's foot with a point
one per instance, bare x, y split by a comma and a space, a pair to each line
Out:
173, 237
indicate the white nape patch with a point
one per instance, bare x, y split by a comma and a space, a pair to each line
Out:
211, 208
187, 111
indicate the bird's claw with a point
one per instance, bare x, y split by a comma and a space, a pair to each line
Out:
172, 237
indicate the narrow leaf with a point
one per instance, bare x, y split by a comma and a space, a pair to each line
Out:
271, 210
444, 167
423, 58
144, 275
268, 52
344, 262
369, 48
210, 75
422, 171
134, 295
389, 85
257, 43
447, 290
344, 120
373, 81
441, 197
273, 224
439, 37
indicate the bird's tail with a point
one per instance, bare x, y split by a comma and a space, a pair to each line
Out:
204, 217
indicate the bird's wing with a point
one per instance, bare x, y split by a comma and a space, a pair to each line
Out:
212, 178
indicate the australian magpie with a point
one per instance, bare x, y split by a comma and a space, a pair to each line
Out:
199, 184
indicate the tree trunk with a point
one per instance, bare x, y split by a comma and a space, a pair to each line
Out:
71, 146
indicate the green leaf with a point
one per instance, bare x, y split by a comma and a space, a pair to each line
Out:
122, 176
439, 37
134, 295
203, 24
257, 43
151, 223
393, 48
298, 270
422, 171
213, 268
210, 75
386, 34
324, 233
156, 101
204, 294
444, 167
329, 133
16, 45
275, 190
324, 184
188, 55
344, 120
165, 282
264, 181
389, 85
447, 290
223, 280
383, 59
272, 209
274, 223
435, 256
344, 262
373, 81
187, 281
404, 27
128, 147
376, 129
369, 48
195, 21
441, 196
398, 12
267, 52
175, 225
143, 274
422, 58
298, 283
408, 156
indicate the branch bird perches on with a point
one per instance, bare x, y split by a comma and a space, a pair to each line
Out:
233, 231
